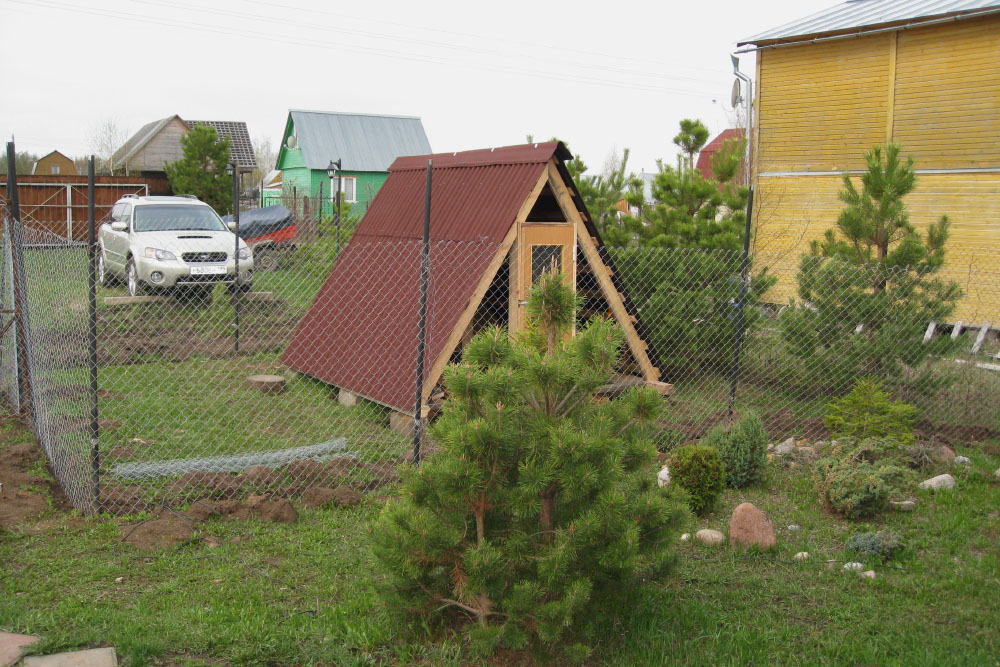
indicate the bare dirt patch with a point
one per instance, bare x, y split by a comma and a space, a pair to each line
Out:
167, 529
24, 494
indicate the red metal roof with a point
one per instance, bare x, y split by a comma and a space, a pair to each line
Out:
360, 333
704, 164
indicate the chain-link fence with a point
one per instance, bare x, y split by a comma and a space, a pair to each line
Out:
786, 356
304, 372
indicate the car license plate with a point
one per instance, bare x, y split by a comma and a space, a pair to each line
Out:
208, 270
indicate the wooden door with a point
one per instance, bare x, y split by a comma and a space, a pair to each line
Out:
541, 247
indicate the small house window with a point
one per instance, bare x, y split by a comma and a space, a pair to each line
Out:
349, 186
55, 169
545, 258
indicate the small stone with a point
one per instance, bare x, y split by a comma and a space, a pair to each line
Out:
749, 526
785, 448
663, 477
686, 537
710, 537
945, 454
770, 446
868, 573
771, 456
903, 505
802, 555
807, 451
962, 460
794, 527
119, 580
853, 567
941, 482
997, 474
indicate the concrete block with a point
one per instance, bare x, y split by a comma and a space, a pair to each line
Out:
401, 423
95, 657
347, 398
12, 646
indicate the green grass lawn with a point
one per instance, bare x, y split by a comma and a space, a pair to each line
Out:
307, 593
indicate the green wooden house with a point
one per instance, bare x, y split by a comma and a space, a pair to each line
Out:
365, 144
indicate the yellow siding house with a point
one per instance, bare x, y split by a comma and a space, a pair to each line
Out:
924, 74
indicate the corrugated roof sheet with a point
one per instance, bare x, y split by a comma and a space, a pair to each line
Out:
240, 146
361, 331
867, 14
363, 142
704, 164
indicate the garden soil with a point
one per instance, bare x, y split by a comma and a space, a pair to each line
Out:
25, 494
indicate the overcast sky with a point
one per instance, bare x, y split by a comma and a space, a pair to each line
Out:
601, 76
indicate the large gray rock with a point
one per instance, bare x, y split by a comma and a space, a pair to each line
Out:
943, 482
750, 527
787, 447
710, 537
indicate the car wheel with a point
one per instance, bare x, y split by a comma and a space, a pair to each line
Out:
266, 260
102, 271
135, 286
242, 288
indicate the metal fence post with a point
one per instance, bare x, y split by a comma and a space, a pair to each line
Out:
95, 433
425, 269
24, 394
236, 258
744, 284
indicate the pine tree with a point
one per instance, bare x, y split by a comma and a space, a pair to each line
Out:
540, 504
602, 192
873, 270
688, 300
202, 170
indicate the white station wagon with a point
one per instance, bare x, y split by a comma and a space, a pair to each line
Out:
170, 243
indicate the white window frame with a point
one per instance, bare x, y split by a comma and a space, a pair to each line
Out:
353, 190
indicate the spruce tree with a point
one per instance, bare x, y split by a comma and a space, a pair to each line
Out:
870, 285
540, 504
202, 170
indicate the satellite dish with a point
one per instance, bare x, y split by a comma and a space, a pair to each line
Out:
734, 99
291, 143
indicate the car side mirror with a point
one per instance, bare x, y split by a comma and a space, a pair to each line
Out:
232, 225
119, 226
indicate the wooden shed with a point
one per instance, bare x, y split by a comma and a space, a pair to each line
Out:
925, 75
499, 217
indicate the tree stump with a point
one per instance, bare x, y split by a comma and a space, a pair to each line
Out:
269, 384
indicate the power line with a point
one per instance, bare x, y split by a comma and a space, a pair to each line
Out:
379, 52
561, 48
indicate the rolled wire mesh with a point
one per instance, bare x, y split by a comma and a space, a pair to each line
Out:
185, 413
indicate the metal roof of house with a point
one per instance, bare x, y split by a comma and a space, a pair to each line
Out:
239, 139
862, 15
141, 138
360, 333
363, 142
240, 146
704, 164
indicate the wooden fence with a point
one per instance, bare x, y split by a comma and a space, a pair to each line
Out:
58, 204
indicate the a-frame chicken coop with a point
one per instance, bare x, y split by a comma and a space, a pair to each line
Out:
498, 218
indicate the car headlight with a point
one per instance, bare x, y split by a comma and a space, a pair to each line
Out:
162, 255
244, 253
